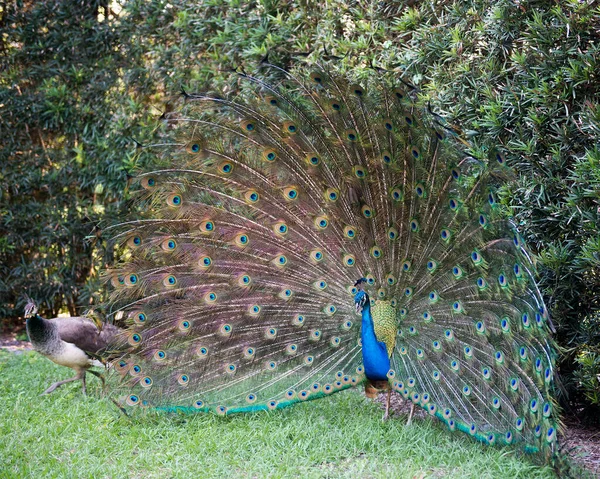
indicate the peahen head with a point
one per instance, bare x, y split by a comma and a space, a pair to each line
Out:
361, 298
30, 308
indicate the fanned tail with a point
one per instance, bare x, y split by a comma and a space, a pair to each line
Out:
239, 287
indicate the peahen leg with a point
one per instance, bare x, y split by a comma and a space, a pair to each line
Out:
80, 375
387, 405
99, 376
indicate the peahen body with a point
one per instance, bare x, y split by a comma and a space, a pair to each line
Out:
311, 236
71, 342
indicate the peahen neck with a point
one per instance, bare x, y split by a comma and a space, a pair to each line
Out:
40, 330
375, 357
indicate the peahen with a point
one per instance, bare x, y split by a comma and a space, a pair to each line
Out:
318, 234
72, 342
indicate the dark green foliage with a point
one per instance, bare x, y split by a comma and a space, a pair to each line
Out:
65, 150
520, 77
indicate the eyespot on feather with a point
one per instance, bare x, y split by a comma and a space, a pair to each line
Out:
290, 127
174, 200
169, 245
248, 125
148, 182
270, 154
134, 242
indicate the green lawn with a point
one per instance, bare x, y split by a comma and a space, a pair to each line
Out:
68, 435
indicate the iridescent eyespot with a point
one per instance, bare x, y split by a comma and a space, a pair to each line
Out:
202, 351
446, 235
210, 297
349, 232
290, 193
392, 234
351, 135
331, 194
225, 330
415, 152
134, 242
170, 280
174, 200
183, 379
249, 353
335, 105
406, 266
414, 226
248, 125
313, 159
387, 124
386, 157
321, 222
316, 77
148, 182
184, 325
432, 265
251, 196
359, 172
242, 240
375, 252
349, 260
271, 100
271, 333
254, 309
367, 211
225, 168
280, 228
138, 317
207, 226
420, 190
357, 90
316, 255
280, 260
160, 355
298, 320
205, 262
168, 245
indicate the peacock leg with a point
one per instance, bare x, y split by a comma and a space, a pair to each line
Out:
101, 377
387, 405
65, 381
410, 414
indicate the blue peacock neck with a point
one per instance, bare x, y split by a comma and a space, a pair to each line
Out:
375, 357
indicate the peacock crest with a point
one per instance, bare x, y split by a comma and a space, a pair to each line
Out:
240, 282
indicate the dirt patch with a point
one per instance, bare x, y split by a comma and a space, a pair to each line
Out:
9, 341
582, 443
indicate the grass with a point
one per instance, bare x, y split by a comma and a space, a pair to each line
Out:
68, 435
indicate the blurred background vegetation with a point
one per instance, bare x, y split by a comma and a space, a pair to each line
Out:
85, 82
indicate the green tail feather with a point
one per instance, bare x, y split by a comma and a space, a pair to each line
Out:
239, 286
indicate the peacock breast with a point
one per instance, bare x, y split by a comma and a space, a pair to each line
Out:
385, 323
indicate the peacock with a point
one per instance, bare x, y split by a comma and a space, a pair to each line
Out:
322, 232
71, 342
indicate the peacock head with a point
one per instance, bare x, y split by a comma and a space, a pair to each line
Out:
361, 298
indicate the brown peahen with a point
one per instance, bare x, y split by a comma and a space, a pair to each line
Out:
72, 342
318, 234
